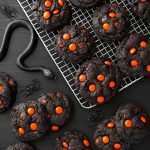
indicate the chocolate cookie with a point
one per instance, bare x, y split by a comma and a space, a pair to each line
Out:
73, 140
7, 91
20, 146
58, 108
51, 14
107, 138
132, 123
98, 80
111, 22
84, 4
29, 121
74, 44
133, 55
141, 8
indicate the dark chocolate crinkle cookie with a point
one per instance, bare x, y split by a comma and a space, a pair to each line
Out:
84, 4
98, 80
58, 107
132, 122
29, 121
107, 138
111, 22
73, 140
74, 44
8, 91
133, 55
141, 8
51, 14
20, 146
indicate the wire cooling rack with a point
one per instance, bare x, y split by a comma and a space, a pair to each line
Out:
84, 18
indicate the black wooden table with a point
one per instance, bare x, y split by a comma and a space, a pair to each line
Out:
139, 92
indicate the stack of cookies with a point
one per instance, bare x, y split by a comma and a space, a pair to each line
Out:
129, 126
33, 119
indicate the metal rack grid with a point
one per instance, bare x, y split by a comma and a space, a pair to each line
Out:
84, 18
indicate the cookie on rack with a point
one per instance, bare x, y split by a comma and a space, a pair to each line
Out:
84, 4
107, 138
133, 55
20, 146
58, 107
74, 44
98, 80
73, 140
132, 122
8, 91
51, 14
141, 8
111, 22
29, 121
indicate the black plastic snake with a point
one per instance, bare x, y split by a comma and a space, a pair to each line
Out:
27, 52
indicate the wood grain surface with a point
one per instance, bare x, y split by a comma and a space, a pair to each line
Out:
139, 92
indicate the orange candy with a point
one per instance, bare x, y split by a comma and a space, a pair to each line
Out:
132, 51
117, 146
59, 110
55, 12
110, 125
60, 2
128, 123
143, 1
33, 126
31, 111
86, 143
100, 99
112, 84
106, 26
143, 119
1, 87
46, 15
21, 131
1, 102
66, 36
105, 139
65, 144
92, 88
148, 68
82, 78
134, 63
112, 14
72, 47
107, 62
143, 44
101, 77
116, 24
54, 128
48, 3
97, 141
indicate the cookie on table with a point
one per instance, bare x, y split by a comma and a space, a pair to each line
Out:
51, 14
73, 140
58, 107
111, 22
20, 146
133, 55
8, 91
141, 8
132, 122
84, 4
29, 121
74, 44
107, 138
98, 80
